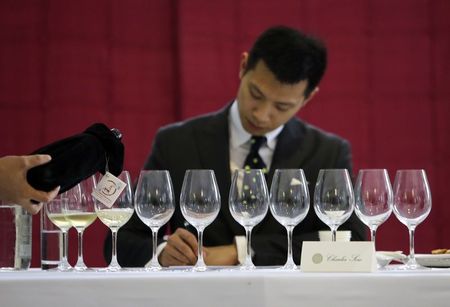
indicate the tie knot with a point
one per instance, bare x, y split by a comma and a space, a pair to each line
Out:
256, 141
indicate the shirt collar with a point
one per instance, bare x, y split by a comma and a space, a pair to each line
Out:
239, 136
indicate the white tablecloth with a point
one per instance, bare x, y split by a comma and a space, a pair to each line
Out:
263, 287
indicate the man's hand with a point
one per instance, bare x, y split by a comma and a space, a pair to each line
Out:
181, 249
221, 255
14, 186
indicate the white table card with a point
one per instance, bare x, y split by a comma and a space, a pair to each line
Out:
324, 256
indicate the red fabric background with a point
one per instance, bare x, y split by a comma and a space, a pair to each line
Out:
139, 64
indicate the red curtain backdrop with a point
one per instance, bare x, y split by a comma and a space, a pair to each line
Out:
140, 64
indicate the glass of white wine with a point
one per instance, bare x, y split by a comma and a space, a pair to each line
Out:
55, 212
116, 216
80, 211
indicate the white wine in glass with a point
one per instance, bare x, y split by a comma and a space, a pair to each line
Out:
116, 216
55, 212
80, 211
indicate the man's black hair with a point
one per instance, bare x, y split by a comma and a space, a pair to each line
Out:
291, 56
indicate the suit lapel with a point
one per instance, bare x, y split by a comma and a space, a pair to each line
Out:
291, 150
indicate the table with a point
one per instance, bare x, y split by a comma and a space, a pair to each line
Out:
263, 287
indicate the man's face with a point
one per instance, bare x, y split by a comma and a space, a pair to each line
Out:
265, 103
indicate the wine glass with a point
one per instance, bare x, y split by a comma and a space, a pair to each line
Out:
412, 204
248, 202
374, 198
55, 212
200, 205
333, 198
154, 202
116, 216
80, 211
289, 203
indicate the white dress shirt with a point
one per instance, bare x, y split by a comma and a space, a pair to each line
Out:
239, 149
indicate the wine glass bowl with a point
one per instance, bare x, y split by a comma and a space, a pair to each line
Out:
334, 199
154, 203
289, 203
248, 204
412, 204
116, 215
200, 205
374, 198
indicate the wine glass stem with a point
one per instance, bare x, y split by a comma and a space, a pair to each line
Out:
411, 243
114, 248
289, 230
154, 261
80, 247
333, 234
248, 257
64, 246
373, 235
200, 261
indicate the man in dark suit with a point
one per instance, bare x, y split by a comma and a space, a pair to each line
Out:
278, 77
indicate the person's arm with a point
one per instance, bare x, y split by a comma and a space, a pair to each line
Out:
14, 186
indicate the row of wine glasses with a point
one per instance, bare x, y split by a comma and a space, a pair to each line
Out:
374, 200
78, 208
73, 208
249, 201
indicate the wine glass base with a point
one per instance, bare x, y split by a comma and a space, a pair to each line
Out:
63, 267
289, 267
153, 269
247, 267
412, 265
199, 269
109, 269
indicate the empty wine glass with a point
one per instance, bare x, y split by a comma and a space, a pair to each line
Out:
55, 212
200, 205
412, 204
333, 198
154, 202
374, 198
116, 216
289, 204
248, 202
80, 211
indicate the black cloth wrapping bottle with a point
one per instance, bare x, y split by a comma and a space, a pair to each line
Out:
77, 157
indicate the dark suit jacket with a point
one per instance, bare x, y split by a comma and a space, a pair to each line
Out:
203, 143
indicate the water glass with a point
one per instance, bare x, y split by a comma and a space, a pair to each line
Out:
200, 205
334, 200
248, 203
289, 203
374, 198
412, 204
154, 203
